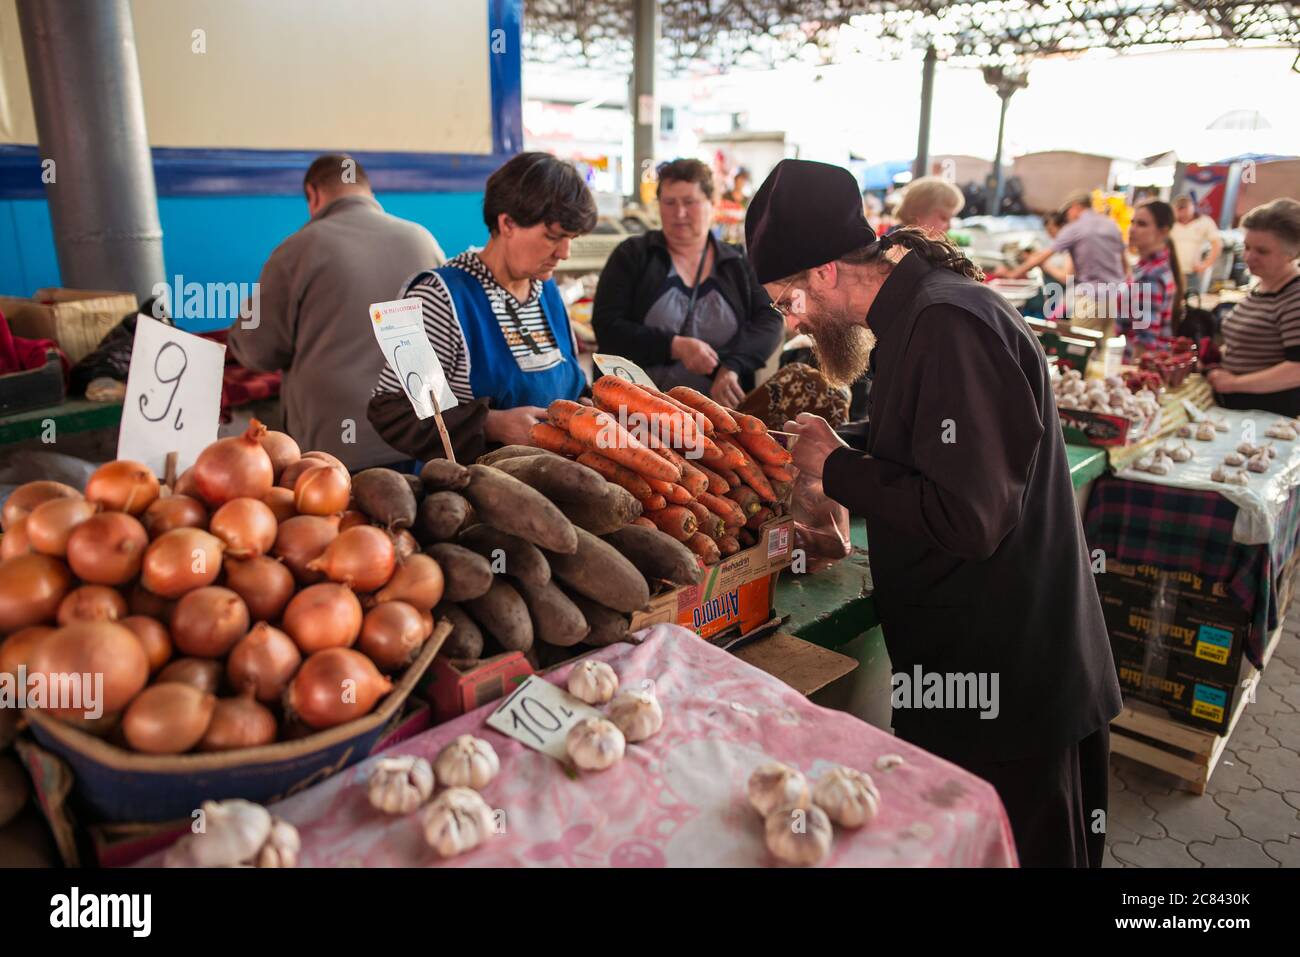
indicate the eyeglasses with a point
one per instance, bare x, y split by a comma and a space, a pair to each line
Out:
781, 308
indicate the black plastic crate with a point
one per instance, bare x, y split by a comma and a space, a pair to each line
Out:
34, 388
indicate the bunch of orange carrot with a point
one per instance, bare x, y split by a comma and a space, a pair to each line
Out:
707, 476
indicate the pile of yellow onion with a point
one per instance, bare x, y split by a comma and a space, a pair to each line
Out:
251, 603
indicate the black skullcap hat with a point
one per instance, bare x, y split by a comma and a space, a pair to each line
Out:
805, 214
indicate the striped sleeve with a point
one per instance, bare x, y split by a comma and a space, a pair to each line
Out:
1288, 314
444, 334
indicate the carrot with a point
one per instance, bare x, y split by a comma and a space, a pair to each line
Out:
729, 545
692, 478
561, 411
705, 547
653, 502
717, 484
750, 423
710, 524
548, 437
642, 520
645, 435
720, 417
729, 476
701, 421
675, 521
678, 495
759, 518
731, 513
631, 398
745, 497
618, 474
779, 473
781, 490
604, 434
753, 476
764, 448
722, 455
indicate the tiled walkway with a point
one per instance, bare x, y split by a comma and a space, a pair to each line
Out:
1249, 815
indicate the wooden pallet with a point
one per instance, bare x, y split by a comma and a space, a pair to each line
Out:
1146, 733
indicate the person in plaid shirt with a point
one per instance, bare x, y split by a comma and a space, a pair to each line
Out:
1155, 301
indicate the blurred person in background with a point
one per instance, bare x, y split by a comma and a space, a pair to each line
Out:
682, 305
495, 318
1058, 267
930, 204
1196, 239
738, 193
314, 318
874, 210
1155, 301
1261, 336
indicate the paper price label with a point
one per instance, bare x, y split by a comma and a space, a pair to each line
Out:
623, 368
399, 328
540, 715
173, 396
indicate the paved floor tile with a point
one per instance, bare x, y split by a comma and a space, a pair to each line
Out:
1232, 774
1276, 768
1190, 817
1141, 778
1262, 815
1268, 701
1163, 852
1227, 853
1288, 854
1283, 728
1128, 809
1292, 798
1251, 735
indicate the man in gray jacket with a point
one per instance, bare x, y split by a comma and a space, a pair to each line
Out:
313, 321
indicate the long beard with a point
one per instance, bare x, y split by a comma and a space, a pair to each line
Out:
841, 345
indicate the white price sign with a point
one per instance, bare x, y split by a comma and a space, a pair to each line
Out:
173, 396
540, 715
399, 327
623, 368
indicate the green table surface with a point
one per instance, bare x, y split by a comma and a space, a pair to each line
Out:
831, 606
74, 415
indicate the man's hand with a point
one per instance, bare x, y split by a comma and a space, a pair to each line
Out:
511, 426
817, 440
726, 390
1222, 381
696, 354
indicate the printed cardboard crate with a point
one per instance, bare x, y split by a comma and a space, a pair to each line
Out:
77, 319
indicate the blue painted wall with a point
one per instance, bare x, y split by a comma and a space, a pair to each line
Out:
221, 238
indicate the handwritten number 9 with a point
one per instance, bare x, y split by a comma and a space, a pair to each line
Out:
168, 371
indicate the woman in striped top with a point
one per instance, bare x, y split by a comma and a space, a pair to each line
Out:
495, 318
1261, 336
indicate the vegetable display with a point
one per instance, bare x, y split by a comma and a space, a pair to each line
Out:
225, 616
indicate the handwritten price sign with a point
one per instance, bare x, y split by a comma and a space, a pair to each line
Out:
173, 396
623, 368
540, 715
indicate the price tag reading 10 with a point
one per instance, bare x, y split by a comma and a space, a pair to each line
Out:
540, 715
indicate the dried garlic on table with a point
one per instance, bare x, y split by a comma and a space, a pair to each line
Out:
457, 821
592, 681
637, 714
595, 744
775, 785
848, 796
400, 785
798, 835
468, 762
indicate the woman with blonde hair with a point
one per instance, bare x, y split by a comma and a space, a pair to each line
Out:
930, 203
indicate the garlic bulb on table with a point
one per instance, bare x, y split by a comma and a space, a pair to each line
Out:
592, 681
776, 785
400, 785
281, 847
468, 762
637, 714
594, 744
848, 796
458, 820
1235, 459
797, 835
233, 833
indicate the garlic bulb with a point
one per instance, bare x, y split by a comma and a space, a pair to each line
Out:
849, 797
776, 785
1182, 453
637, 714
1259, 462
400, 785
468, 762
593, 682
1235, 459
281, 847
1184, 431
233, 833
458, 820
1219, 422
1205, 432
797, 835
594, 744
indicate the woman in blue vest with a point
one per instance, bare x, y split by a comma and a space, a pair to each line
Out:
495, 318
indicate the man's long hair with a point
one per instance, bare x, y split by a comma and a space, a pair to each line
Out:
939, 252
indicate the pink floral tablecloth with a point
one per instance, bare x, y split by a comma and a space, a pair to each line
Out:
678, 799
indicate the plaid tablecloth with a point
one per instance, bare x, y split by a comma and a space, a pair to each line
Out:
1187, 530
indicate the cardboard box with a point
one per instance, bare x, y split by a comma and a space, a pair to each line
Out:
455, 687
77, 319
1149, 671
113, 784
736, 594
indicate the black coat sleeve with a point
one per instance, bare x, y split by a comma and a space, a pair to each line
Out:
397, 424
761, 328
619, 330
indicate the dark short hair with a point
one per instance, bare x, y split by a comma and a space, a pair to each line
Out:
534, 188
685, 171
326, 172
1281, 217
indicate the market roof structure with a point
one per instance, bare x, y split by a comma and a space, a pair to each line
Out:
731, 32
